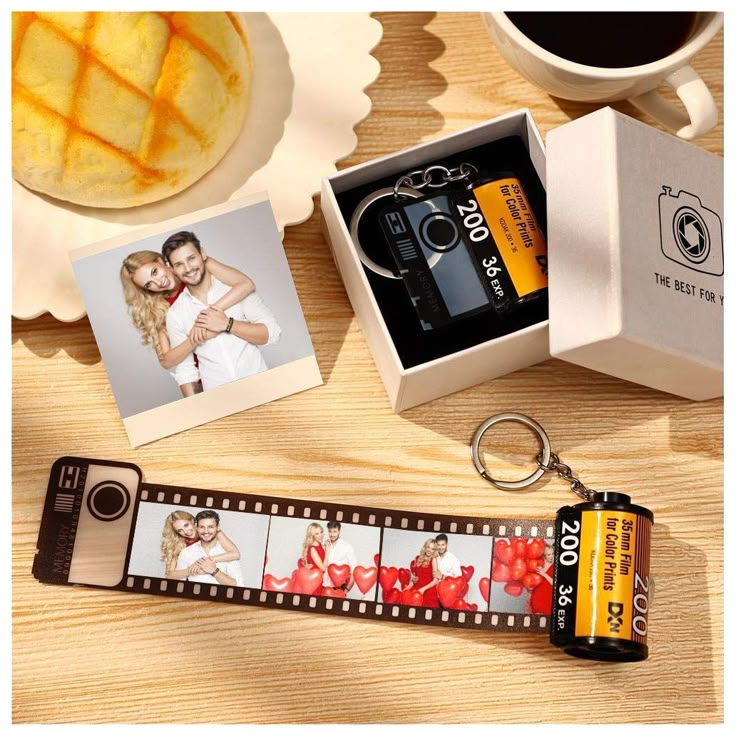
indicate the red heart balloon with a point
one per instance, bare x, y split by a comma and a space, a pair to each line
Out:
518, 568
300, 563
388, 577
501, 573
535, 548
339, 574
308, 580
531, 580
459, 605
448, 590
376, 559
467, 571
391, 596
404, 577
410, 597
472, 606
485, 588
518, 545
284, 585
503, 552
334, 593
513, 588
533, 564
293, 574
365, 578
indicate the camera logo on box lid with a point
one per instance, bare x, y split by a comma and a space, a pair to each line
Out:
690, 233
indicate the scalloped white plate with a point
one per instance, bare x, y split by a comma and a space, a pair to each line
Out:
310, 70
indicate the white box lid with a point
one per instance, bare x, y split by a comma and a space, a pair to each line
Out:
635, 241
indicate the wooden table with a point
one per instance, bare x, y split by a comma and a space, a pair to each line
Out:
84, 655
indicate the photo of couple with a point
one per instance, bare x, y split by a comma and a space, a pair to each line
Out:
204, 319
433, 563
448, 571
320, 553
331, 558
194, 548
196, 318
199, 545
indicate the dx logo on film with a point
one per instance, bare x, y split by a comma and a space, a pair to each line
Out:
690, 233
615, 617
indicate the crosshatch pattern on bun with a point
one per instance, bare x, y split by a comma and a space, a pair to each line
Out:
121, 109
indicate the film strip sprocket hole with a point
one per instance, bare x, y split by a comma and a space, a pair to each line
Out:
266, 551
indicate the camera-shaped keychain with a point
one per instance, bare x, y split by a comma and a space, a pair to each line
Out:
474, 246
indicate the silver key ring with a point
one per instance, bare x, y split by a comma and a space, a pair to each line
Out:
464, 171
543, 457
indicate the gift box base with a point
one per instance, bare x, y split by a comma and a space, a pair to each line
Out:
419, 365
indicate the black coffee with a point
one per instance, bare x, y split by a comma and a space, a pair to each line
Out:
610, 40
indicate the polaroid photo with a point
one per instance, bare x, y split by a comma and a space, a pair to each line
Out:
522, 575
196, 318
326, 558
435, 570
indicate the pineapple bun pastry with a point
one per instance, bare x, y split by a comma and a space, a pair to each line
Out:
121, 109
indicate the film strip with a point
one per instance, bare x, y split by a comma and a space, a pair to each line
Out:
102, 526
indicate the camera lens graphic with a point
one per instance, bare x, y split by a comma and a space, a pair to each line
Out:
439, 232
108, 500
691, 235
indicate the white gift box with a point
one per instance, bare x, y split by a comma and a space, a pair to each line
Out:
635, 255
635, 245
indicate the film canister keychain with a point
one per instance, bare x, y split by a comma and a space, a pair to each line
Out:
583, 579
601, 588
471, 245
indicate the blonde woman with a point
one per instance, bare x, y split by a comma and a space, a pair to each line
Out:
540, 600
425, 573
150, 287
180, 530
313, 551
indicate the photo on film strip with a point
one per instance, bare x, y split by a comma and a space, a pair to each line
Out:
329, 558
435, 570
521, 575
199, 545
103, 527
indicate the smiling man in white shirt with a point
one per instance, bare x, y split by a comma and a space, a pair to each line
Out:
448, 565
339, 552
197, 557
233, 352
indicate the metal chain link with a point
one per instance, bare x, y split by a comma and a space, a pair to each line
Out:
565, 472
434, 177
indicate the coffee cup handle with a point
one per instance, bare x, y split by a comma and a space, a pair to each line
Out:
702, 113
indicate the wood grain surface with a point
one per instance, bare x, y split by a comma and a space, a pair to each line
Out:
89, 656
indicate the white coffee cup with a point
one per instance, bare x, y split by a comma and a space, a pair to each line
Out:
572, 81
